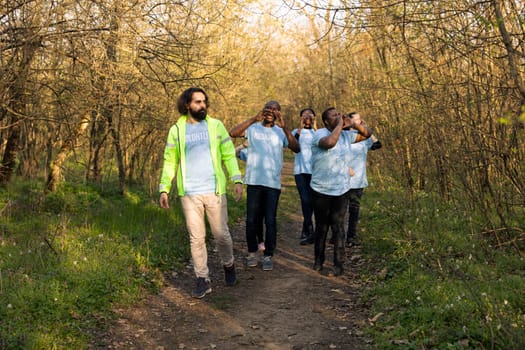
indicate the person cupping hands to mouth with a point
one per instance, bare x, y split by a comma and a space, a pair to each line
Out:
267, 136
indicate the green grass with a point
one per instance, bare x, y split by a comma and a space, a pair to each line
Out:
68, 258
437, 281
436, 277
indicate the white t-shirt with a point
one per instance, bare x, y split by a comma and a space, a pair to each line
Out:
264, 155
330, 167
303, 160
359, 151
200, 177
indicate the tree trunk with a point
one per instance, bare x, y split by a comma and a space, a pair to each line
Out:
119, 153
10, 154
111, 51
15, 96
97, 139
55, 168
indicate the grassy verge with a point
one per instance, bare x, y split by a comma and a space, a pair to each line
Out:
436, 277
438, 281
67, 258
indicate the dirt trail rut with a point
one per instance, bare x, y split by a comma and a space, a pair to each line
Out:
291, 307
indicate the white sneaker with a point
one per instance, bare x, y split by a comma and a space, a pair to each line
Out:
251, 260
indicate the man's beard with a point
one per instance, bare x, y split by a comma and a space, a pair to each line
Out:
199, 115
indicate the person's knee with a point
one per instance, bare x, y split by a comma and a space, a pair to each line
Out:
224, 238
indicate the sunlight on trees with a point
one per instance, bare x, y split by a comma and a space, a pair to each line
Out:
89, 88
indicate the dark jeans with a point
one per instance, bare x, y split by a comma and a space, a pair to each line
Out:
329, 214
302, 182
354, 203
261, 205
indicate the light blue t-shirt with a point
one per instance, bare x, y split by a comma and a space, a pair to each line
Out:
200, 178
303, 160
359, 152
330, 167
264, 155
243, 154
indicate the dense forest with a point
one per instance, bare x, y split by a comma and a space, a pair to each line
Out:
88, 92
88, 87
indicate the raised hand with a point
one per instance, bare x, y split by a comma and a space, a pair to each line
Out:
260, 116
347, 122
279, 120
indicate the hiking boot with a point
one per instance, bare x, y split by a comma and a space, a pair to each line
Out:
202, 288
230, 278
251, 260
318, 266
267, 264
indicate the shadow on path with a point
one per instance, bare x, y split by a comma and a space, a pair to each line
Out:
291, 307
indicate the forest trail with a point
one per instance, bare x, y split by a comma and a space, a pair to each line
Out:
291, 307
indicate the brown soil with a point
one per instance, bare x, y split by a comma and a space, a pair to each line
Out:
291, 307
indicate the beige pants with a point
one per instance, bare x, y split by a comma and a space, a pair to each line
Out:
216, 210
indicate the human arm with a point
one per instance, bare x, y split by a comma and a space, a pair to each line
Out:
297, 133
376, 143
169, 168
228, 155
164, 203
293, 144
237, 191
330, 140
239, 129
240, 151
363, 132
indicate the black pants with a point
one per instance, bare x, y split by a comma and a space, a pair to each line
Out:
354, 203
329, 214
261, 207
305, 193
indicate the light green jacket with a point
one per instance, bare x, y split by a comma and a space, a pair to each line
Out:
222, 150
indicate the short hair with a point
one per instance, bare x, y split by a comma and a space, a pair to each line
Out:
306, 109
325, 113
272, 103
185, 99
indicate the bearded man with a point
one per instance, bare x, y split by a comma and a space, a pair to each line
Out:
196, 149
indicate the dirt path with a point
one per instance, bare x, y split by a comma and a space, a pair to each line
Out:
291, 307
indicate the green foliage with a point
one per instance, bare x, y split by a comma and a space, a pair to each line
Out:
67, 258
437, 281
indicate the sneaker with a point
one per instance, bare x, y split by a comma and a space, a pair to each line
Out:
307, 240
251, 260
337, 271
351, 241
267, 264
230, 277
261, 247
202, 288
